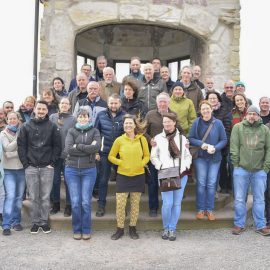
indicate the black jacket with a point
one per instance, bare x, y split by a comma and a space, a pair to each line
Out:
133, 106
226, 103
39, 143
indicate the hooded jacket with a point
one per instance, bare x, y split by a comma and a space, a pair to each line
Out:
250, 146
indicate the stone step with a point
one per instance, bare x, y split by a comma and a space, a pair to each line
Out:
108, 222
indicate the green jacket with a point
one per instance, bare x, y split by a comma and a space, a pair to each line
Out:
185, 110
250, 146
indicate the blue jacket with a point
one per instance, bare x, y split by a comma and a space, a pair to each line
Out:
110, 128
217, 137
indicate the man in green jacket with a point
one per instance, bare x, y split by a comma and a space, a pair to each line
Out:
250, 154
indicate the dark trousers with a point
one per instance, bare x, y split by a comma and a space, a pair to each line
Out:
225, 173
267, 200
153, 188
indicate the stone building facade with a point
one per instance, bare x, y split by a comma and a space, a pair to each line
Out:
207, 31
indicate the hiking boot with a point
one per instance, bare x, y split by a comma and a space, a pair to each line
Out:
264, 231
34, 229
46, 228
6, 232
118, 234
200, 215
165, 235
67, 211
133, 233
86, 236
77, 236
172, 235
55, 209
17, 227
237, 230
153, 213
95, 194
210, 215
100, 212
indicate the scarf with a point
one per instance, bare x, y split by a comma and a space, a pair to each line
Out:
13, 129
173, 149
83, 127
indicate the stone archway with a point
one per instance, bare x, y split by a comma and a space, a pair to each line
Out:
215, 25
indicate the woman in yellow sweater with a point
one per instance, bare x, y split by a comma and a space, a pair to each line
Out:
130, 152
182, 106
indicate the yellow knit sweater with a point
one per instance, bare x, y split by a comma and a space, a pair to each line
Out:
132, 158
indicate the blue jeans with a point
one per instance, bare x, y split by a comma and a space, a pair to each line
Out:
104, 174
153, 188
80, 184
207, 173
2, 197
14, 183
55, 194
242, 180
171, 206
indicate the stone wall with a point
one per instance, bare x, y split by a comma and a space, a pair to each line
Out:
213, 25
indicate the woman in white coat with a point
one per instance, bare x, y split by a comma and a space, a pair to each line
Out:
171, 147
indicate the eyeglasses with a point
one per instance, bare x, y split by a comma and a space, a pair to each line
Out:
229, 87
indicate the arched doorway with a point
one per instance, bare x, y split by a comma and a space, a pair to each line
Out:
119, 42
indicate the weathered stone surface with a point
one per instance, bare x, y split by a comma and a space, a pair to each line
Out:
89, 13
165, 14
198, 20
133, 12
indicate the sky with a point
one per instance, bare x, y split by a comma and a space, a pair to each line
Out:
17, 39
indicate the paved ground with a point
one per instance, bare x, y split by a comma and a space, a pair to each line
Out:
201, 249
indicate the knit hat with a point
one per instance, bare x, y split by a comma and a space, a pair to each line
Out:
178, 83
253, 108
239, 83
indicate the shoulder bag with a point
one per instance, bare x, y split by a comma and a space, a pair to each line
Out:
194, 150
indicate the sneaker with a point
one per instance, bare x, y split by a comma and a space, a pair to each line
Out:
133, 233
77, 236
237, 230
67, 211
18, 227
153, 213
210, 215
118, 234
86, 236
172, 235
6, 232
46, 228
165, 235
200, 215
34, 229
100, 212
264, 231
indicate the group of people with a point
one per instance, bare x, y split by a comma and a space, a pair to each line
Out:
177, 130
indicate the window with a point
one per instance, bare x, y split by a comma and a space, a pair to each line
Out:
82, 59
175, 65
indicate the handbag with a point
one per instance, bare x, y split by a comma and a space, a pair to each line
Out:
169, 179
146, 168
194, 150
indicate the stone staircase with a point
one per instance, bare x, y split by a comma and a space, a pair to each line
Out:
223, 211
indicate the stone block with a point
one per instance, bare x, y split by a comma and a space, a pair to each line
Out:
133, 12
90, 13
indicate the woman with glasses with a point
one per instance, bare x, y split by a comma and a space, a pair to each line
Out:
64, 121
